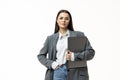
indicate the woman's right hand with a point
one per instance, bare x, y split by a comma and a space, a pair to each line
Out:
58, 66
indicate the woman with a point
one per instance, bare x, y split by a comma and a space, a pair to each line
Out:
55, 47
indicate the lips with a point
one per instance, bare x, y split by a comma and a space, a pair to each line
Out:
63, 24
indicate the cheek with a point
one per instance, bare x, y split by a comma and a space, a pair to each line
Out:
68, 22
58, 21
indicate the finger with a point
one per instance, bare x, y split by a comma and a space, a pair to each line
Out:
68, 52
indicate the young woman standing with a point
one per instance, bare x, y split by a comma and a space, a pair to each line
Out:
55, 47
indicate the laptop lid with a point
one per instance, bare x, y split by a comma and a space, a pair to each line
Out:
76, 44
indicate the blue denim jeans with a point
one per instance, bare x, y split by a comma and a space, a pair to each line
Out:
60, 73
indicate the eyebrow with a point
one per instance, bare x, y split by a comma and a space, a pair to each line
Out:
63, 17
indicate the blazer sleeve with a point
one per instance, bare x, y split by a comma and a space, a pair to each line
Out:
42, 56
87, 54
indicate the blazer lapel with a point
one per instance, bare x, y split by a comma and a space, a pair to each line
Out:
54, 43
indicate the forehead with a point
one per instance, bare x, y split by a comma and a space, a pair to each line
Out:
63, 14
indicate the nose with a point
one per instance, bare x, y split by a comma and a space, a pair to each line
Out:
63, 19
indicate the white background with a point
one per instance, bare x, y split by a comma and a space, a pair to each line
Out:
25, 24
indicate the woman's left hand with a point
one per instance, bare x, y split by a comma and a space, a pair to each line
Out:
68, 55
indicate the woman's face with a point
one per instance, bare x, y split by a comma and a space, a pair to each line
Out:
63, 20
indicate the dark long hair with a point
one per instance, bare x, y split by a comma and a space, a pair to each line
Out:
70, 25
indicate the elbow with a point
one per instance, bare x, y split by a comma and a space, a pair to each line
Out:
39, 57
91, 54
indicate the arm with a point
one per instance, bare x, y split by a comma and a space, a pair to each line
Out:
43, 53
87, 54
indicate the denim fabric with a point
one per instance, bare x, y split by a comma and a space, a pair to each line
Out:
60, 73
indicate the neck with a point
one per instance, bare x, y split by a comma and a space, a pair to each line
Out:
63, 31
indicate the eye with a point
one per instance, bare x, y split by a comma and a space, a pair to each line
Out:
61, 17
66, 18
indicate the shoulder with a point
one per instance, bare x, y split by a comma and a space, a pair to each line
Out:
52, 36
78, 33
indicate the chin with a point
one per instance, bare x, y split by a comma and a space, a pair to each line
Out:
63, 27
